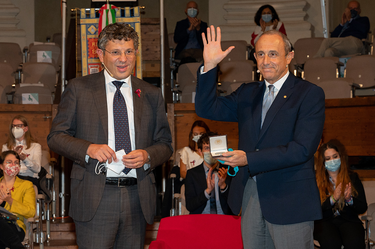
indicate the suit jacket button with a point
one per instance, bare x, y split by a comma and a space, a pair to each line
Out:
256, 149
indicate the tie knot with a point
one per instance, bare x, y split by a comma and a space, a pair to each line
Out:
271, 88
118, 84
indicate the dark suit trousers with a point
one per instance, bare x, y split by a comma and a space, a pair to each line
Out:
334, 232
118, 222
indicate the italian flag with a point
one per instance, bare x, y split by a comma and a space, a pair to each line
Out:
107, 16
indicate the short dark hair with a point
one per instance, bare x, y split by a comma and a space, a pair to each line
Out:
117, 31
199, 123
205, 139
258, 15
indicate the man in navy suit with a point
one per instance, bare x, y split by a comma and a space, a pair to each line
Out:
204, 194
275, 185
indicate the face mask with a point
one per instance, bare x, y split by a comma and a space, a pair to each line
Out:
11, 170
353, 13
17, 132
192, 12
208, 158
196, 138
267, 17
333, 165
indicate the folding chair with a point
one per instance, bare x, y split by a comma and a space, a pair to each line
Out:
305, 49
337, 88
45, 52
317, 70
44, 73
43, 94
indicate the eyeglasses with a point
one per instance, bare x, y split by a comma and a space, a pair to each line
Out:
18, 125
10, 162
117, 53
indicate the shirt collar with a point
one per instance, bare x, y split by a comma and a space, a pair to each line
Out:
278, 84
109, 79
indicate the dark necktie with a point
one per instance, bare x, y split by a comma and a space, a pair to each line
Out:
121, 123
267, 102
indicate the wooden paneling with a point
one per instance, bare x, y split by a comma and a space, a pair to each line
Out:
150, 36
352, 121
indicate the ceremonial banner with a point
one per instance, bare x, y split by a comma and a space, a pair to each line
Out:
89, 22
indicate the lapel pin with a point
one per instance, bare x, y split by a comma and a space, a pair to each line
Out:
284, 96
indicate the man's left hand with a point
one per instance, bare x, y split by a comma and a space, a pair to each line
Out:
135, 159
222, 174
234, 158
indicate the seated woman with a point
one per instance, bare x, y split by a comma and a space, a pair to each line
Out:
342, 197
266, 19
18, 197
189, 158
21, 141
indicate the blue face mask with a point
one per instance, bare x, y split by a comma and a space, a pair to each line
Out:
267, 17
192, 12
353, 13
333, 165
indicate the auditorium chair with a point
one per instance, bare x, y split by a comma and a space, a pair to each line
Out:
305, 49
337, 88
239, 53
47, 52
45, 73
235, 72
199, 231
317, 70
44, 93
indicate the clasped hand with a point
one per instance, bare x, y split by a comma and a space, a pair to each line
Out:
222, 175
103, 153
347, 192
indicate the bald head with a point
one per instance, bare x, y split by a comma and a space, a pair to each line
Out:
354, 5
192, 4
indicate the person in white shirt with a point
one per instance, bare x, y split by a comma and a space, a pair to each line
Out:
189, 158
21, 141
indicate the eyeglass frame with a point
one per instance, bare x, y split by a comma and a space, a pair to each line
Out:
11, 163
133, 52
18, 125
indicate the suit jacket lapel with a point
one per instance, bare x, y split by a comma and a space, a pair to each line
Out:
100, 96
282, 97
138, 94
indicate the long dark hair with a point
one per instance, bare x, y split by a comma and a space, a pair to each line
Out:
322, 178
258, 15
199, 123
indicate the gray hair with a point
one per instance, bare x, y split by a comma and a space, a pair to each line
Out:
117, 31
287, 43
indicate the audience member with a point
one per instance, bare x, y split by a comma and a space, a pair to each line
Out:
347, 37
266, 19
342, 197
101, 114
280, 121
18, 197
189, 158
21, 141
187, 35
207, 190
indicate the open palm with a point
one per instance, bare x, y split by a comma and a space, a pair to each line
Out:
212, 52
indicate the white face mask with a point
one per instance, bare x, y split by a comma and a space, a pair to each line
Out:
192, 12
17, 132
208, 158
196, 138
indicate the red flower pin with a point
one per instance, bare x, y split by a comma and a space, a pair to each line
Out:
138, 91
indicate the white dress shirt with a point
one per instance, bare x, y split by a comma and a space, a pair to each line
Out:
126, 90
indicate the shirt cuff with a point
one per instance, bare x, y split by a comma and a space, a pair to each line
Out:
87, 158
202, 68
207, 195
223, 191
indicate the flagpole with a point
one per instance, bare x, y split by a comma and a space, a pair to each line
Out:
162, 76
63, 45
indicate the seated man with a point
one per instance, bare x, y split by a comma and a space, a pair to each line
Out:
202, 183
188, 36
347, 38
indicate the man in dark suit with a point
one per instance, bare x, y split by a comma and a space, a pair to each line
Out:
275, 185
98, 115
187, 35
205, 194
